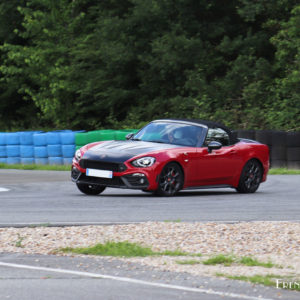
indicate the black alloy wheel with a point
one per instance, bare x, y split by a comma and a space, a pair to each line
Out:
251, 177
170, 180
90, 189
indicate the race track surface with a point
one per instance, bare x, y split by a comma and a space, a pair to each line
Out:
37, 197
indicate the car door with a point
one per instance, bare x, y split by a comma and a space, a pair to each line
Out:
218, 166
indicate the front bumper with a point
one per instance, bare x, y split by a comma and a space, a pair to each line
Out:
130, 178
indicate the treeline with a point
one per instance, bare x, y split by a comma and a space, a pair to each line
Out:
86, 64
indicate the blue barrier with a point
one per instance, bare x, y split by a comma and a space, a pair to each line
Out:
40, 152
26, 137
29, 147
55, 160
53, 138
3, 151
27, 160
26, 151
41, 161
12, 151
68, 150
39, 139
67, 138
54, 150
13, 160
67, 160
2, 138
13, 138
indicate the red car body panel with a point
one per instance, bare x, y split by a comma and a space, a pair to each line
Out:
200, 168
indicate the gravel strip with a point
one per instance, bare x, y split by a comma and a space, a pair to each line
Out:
278, 242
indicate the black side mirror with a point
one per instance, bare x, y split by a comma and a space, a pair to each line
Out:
214, 146
129, 136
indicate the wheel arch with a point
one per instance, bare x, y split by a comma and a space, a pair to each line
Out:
180, 166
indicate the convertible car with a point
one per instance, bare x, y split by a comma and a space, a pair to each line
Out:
167, 156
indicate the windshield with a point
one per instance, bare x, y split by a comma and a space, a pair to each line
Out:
171, 133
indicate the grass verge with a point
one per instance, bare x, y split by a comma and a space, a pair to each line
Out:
122, 249
228, 260
267, 280
188, 262
284, 171
36, 167
219, 259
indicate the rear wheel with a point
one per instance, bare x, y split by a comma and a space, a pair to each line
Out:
251, 177
170, 180
90, 189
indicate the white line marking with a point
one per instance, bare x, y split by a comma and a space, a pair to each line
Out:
3, 190
135, 281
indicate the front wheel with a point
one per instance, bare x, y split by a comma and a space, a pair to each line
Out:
251, 177
170, 180
90, 189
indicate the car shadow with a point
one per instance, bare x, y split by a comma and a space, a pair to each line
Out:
179, 195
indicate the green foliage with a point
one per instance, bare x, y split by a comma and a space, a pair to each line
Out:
118, 64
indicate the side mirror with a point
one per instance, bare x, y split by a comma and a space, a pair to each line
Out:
214, 146
129, 136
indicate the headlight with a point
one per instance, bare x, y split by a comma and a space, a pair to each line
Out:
78, 154
144, 162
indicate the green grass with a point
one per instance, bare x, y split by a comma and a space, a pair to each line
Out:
123, 249
188, 262
284, 171
19, 241
36, 167
252, 262
219, 259
227, 260
173, 221
267, 280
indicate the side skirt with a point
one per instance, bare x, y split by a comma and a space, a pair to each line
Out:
218, 186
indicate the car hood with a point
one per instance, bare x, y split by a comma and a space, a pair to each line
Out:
120, 151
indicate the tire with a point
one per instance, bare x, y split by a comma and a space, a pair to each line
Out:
170, 180
90, 189
251, 177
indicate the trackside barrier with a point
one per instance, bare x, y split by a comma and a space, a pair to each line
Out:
284, 146
53, 147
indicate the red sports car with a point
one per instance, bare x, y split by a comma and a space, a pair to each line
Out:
167, 156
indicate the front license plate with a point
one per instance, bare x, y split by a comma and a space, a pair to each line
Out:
99, 173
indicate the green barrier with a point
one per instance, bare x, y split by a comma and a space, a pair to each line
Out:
107, 135
121, 134
81, 138
93, 136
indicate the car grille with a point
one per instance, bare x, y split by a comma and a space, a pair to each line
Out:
115, 181
101, 165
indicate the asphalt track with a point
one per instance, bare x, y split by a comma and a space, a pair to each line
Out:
38, 197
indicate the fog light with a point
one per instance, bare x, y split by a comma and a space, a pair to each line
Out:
142, 181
